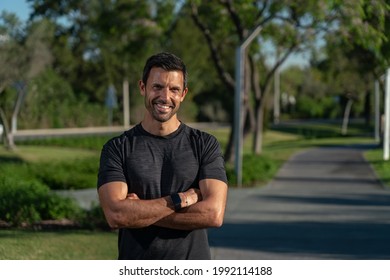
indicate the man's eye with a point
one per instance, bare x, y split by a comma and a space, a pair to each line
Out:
175, 90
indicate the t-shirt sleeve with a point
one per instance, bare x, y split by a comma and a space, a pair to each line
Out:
111, 164
212, 162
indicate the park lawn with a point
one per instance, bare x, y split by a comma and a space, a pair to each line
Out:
46, 153
57, 245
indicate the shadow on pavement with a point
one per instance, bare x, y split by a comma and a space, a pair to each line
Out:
319, 240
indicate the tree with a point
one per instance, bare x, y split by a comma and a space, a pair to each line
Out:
22, 58
289, 25
126, 33
357, 54
99, 43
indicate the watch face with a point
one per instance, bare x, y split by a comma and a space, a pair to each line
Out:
176, 200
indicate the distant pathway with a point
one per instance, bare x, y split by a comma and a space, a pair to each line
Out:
325, 203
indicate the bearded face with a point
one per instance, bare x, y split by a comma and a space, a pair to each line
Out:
163, 93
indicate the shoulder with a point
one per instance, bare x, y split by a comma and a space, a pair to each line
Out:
204, 142
198, 134
120, 140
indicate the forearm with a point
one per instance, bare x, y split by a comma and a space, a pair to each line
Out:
124, 210
181, 221
207, 212
197, 216
136, 213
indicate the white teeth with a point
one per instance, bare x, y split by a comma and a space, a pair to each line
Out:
163, 106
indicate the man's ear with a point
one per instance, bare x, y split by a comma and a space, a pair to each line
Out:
183, 95
142, 87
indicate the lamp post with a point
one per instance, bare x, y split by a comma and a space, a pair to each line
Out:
126, 104
377, 112
386, 132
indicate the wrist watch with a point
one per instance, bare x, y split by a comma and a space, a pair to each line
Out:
176, 200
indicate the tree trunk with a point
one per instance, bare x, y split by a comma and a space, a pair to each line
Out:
258, 133
229, 150
367, 107
8, 137
347, 111
18, 105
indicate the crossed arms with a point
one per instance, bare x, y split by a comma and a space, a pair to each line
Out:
204, 208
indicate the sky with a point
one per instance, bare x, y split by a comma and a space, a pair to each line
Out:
19, 7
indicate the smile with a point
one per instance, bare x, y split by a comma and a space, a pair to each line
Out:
163, 108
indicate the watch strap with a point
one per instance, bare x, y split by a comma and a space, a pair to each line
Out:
176, 200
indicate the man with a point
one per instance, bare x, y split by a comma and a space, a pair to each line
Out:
163, 183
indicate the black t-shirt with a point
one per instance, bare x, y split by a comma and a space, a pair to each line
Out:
153, 167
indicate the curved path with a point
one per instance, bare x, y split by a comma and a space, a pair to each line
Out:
324, 203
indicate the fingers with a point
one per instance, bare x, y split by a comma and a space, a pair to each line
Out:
192, 196
132, 196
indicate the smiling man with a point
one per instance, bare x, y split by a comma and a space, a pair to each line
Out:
163, 183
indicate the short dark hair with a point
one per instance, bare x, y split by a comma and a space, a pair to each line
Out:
166, 61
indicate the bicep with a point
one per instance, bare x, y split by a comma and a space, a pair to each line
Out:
214, 191
112, 193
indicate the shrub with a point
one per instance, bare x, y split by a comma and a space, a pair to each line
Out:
311, 107
256, 169
18, 170
31, 201
94, 219
67, 175
94, 142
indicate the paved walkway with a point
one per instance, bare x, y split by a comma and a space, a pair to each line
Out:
325, 203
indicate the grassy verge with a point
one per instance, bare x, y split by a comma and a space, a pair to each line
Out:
64, 245
380, 166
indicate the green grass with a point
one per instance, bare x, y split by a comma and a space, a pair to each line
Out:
380, 166
60, 245
45, 153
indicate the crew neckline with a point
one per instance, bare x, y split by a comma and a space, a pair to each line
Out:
168, 136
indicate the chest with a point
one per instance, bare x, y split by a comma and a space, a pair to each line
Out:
159, 167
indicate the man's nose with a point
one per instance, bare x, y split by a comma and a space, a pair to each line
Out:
164, 93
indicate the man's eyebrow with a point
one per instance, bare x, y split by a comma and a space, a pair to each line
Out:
176, 87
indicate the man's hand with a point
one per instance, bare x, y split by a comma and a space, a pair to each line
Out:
188, 198
132, 196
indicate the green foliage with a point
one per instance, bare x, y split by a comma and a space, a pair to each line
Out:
51, 103
26, 196
83, 142
365, 23
30, 201
312, 107
67, 175
256, 169
70, 174
94, 219
18, 169
205, 99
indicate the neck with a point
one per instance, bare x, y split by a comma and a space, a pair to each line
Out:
160, 128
